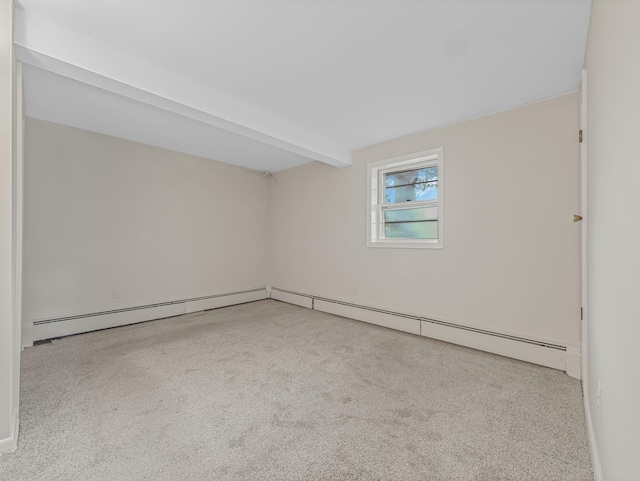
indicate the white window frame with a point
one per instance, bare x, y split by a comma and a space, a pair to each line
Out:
376, 192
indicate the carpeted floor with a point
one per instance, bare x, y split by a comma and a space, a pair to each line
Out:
272, 391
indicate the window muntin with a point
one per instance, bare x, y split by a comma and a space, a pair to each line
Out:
405, 201
412, 223
411, 185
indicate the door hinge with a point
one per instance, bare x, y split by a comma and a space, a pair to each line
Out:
581, 314
577, 218
580, 135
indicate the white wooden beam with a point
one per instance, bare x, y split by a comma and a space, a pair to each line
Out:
51, 47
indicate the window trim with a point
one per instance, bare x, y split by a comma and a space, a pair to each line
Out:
375, 190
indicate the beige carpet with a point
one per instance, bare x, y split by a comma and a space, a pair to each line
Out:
271, 391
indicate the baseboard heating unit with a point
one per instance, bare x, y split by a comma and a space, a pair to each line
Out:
556, 356
64, 326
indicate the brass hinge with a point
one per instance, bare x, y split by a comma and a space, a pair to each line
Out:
577, 218
581, 318
580, 136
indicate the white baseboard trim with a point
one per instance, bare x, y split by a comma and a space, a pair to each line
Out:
290, 298
225, 300
563, 358
10, 444
593, 444
89, 323
51, 328
523, 351
412, 326
574, 362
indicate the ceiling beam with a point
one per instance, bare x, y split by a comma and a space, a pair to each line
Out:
48, 46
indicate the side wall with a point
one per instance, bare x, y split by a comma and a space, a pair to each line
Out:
9, 340
112, 224
613, 235
511, 257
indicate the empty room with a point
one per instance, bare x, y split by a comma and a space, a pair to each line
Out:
319, 240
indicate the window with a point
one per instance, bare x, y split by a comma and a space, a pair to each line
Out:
405, 201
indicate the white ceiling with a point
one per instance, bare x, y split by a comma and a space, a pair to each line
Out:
304, 80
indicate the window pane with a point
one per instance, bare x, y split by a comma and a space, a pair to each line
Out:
415, 214
412, 230
411, 185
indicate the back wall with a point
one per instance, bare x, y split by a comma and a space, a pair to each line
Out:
511, 257
110, 224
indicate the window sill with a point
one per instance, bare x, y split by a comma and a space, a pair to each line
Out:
406, 245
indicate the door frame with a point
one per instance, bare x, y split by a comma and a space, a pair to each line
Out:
584, 347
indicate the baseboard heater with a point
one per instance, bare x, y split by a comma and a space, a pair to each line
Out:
557, 356
75, 324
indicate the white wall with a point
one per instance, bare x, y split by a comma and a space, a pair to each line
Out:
9, 334
103, 213
511, 253
613, 69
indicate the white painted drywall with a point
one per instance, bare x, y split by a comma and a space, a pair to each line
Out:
511, 257
613, 68
103, 213
9, 337
5, 219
